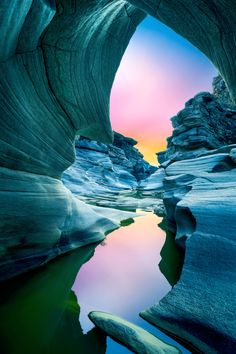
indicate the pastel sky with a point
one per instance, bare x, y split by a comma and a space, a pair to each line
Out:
159, 72
123, 277
118, 271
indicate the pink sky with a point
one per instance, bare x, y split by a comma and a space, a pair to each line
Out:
117, 272
159, 72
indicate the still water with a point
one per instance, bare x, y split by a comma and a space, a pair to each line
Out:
47, 311
123, 277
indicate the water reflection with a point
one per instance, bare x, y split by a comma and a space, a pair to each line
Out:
123, 277
172, 257
39, 313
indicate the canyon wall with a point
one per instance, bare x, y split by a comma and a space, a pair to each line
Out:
57, 66
103, 171
197, 178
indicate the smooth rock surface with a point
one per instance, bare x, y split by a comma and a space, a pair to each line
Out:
132, 336
200, 309
199, 193
57, 66
33, 232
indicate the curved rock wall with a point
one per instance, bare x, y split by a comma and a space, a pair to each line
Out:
57, 64
199, 191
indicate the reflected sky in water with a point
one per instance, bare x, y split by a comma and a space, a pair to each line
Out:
123, 277
41, 313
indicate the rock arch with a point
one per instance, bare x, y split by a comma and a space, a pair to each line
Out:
58, 60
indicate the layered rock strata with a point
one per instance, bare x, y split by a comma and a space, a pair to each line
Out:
197, 180
57, 65
103, 173
199, 192
200, 199
206, 123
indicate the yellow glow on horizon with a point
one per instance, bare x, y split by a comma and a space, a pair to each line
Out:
150, 148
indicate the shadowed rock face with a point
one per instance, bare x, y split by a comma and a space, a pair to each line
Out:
82, 48
58, 60
199, 195
207, 122
57, 64
105, 170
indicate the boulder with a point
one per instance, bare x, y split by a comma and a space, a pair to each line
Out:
130, 335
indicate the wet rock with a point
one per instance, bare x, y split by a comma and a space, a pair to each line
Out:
130, 335
199, 310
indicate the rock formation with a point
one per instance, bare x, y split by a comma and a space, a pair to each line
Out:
134, 337
197, 180
58, 60
199, 193
103, 171
207, 122
57, 65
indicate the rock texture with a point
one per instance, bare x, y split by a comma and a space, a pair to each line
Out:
206, 123
57, 65
103, 173
199, 195
132, 336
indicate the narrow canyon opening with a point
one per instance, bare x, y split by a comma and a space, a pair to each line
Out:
159, 72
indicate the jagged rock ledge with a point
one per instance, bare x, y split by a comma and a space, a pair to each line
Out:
109, 174
197, 180
197, 177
